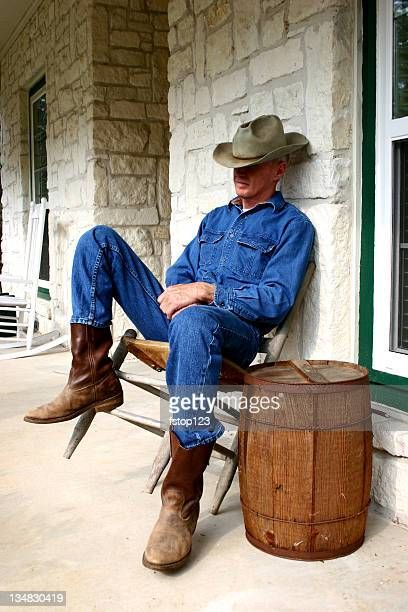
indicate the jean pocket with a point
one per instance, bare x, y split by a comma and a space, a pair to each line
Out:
210, 247
250, 256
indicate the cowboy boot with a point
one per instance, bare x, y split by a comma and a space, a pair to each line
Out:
170, 541
92, 381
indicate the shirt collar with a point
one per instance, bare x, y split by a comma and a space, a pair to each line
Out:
276, 201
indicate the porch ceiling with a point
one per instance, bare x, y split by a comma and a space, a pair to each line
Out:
11, 14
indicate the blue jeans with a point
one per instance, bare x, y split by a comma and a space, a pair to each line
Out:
105, 267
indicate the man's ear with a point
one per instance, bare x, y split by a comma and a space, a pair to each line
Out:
281, 168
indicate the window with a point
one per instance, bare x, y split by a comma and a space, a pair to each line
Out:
38, 169
390, 324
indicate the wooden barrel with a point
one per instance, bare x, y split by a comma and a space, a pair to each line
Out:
305, 458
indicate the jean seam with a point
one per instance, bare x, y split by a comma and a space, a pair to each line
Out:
131, 272
93, 282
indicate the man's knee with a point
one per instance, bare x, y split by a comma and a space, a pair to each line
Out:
101, 234
193, 322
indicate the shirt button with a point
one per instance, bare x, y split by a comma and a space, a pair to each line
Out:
222, 303
231, 234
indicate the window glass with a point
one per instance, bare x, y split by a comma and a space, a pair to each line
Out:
400, 335
400, 59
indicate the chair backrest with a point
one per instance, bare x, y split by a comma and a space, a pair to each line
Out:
273, 346
33, 246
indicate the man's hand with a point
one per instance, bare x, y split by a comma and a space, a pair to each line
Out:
177, 297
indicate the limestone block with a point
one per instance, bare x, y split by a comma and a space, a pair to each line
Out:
118, 19
220, 127
246, 18
160, 22
199, 50
218, 13
128, 191
210, 199
163, 193
201, 5
160, 39
390, 486
391, 434
172, 39
124, 38
320, 67
65, 101
273, 29
126, 216
180, 65
203, 165
176, 10
139, 78
276, 62
157, 144
289, 101
318, 178
157, 111
127, 137
127, 109
268, 5
157, 5
177, 161
199, 134
230, 87
185, 31
306, 8
189, 98
203, 100
110, 74
219, 51
129, 164
160, 84
128, 57
261, 103
100, 34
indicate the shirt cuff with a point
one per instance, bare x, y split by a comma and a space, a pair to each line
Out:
223, 297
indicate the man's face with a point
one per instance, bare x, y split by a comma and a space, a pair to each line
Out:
253, 180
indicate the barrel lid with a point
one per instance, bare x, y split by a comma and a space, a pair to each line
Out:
301, 371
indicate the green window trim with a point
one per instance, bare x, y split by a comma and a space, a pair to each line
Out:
43, 293
387, 388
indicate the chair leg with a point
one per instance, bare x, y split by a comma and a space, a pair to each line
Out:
85, 420
226, 477
80, 430
160, 461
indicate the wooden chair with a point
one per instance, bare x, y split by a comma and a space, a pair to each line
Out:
154, 354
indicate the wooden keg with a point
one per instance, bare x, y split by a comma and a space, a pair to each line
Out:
305, 461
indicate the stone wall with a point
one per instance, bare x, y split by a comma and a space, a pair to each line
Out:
232, 60
107, 132
54, 42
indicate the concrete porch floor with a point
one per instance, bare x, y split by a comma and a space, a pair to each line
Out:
80, 525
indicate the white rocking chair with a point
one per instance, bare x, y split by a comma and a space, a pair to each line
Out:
24, 304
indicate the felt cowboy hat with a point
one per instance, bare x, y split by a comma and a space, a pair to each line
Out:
258, 141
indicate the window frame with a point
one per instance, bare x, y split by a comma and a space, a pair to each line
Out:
385, 388
39, 89
388, 131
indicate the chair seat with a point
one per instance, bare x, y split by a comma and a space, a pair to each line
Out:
7, 300
154, 353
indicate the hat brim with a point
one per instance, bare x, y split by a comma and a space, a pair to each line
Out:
223, 152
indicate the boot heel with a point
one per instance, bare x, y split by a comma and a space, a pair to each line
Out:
108, 404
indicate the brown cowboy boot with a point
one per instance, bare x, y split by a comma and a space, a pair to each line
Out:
92, 381
170, 541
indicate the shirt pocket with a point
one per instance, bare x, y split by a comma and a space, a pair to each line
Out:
210, 247
251, 255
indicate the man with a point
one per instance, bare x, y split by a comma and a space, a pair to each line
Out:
234, 281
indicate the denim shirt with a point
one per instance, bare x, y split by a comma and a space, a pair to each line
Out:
255, 258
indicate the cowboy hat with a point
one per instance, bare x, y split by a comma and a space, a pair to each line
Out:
258, 141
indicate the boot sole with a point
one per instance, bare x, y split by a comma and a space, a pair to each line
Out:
165, 566
104, 406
